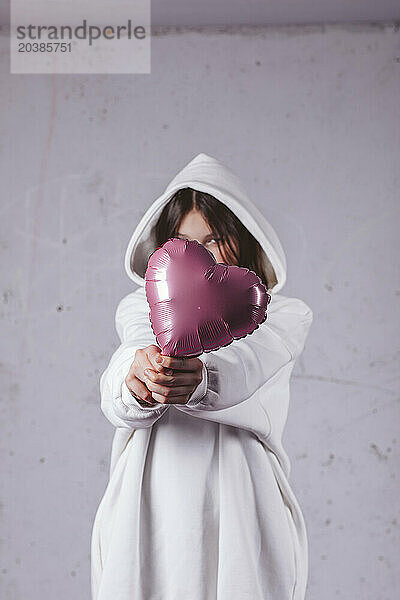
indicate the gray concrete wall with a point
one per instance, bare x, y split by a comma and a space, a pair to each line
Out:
310, 119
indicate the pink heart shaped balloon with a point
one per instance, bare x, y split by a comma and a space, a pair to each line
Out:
198, 305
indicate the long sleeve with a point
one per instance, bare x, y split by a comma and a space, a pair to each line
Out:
234, 373
135, 332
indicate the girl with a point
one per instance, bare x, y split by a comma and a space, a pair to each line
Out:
198, 504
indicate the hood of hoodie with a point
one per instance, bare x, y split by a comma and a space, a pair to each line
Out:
206, 174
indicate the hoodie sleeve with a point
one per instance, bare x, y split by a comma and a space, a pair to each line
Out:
234, 373
135, 332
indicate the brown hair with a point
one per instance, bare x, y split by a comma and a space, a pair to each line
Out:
236, 244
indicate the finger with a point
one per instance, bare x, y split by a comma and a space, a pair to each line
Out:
159, 398
175, 379
152, 353
169, 391
160, 369
171, 400
146, 360
156, 366
179, 363
137, 388
148, 373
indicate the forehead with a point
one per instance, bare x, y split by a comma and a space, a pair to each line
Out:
194, 222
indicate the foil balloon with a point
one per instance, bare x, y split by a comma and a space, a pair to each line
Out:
198, 305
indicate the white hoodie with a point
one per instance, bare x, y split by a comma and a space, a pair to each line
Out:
198, 505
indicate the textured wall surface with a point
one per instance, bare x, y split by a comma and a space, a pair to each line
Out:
310, 119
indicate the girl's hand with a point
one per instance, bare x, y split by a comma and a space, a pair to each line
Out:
136, 378
177, 387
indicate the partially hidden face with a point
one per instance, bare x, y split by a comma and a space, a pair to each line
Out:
194, 227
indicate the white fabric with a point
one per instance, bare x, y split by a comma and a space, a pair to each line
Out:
198, 504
